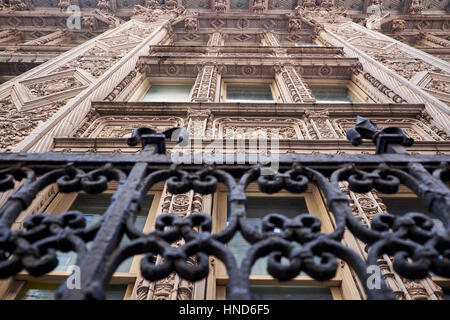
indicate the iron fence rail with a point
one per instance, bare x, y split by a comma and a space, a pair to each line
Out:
417, 246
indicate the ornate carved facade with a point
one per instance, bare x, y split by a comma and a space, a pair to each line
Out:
84, 89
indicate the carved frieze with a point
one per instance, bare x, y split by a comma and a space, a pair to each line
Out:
297, 88
253, 128
418, 130
122, 126
16, 125
38, 91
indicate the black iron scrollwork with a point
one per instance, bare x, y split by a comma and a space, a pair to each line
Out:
416, 246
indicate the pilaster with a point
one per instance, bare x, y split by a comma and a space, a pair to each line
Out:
364, 207
173, 287
395, 65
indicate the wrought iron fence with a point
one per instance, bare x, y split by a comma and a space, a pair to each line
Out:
411, 239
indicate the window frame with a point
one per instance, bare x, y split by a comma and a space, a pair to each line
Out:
405, 192
60, 203
353, 89
342, 286
145, 86
277, 98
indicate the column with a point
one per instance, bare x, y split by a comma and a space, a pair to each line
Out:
206, 83
173, 287
293, 87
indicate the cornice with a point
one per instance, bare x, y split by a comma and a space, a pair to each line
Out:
257, 109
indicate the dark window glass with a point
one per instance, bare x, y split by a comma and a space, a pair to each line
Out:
93, 207
35, 290
290, 293
400, 206
257, 208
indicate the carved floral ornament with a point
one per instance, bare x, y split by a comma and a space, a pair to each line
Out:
14, 5
121, 127
325, 13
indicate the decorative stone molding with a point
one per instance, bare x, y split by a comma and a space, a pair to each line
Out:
52, 38
258, 6
16, 125
220, 6
432, 41
365, 206
392, 63
215, 39
435, 83
294, 27
382, 88
122, 85
95, 61
10, 35
293, 83
415, 6
319, 125
398, 26
121, 127
18, 5
172, 287
204, 89
63, 5
416, 129
39, 91
322, 14
191, 25
251, 128
104, 5
197, 123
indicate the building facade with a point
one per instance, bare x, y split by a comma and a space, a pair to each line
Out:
80, 75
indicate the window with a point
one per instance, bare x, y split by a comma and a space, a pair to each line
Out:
167, 93
39, 290
93, 207
402, 205
333, 94
242, 92
258, 207
290, 293
262, 285
405, 201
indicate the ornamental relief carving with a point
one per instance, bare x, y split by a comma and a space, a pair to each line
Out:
17, 125
38, 91
364, 207
172, 287
121, 127
415, 129
95, 61
251, 128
